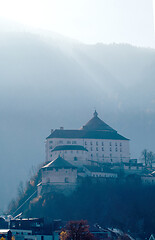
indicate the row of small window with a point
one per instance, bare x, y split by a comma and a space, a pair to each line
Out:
70, 151
61, 142
68, 142
91, 143
105, 176
116, 149
110, 143
20, 233
97, 155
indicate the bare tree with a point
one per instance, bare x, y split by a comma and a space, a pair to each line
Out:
147, 157
77, 230
150, 158
20, 189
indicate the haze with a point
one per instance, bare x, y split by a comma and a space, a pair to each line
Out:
90, 21
48, 80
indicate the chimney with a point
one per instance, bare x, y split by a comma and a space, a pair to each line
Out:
61, 128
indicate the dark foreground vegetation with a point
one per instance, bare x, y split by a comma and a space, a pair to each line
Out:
126, 206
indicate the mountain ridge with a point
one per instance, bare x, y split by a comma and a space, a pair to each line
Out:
47, 84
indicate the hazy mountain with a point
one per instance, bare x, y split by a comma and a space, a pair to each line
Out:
48, 81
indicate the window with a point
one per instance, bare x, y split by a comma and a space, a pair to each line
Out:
91, 149
68, 142
110, 143
116, 149
96, 154
50, 147
71, 151
120, 149
77, 151
85, 143
96, 143
103, 155
97, 149
61, 142
51, 155
91, 143
110, 155
75, 158
91, 155
120, 144
110, 149
116, 144
102, 148
73, 142
50, 141
66, 180
42, 237
102, 143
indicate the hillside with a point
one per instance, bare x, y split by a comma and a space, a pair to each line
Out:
48, 81
127, 206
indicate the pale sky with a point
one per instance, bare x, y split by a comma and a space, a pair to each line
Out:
90, 21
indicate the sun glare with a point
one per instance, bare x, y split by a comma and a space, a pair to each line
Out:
154, 16
89, 21
34, 13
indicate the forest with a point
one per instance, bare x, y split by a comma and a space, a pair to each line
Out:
127, 206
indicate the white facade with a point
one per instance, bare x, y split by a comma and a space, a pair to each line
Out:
59, 176
76, 157
100, 174
102, 142
100, 150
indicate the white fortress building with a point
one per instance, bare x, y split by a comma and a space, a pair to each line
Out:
96, 151
95, 142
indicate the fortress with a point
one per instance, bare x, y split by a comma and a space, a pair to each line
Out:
95, 142
95, 150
